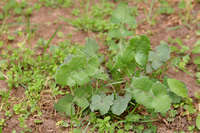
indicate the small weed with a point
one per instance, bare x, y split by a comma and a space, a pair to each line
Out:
76, 12
57, 3
165, 8
186, 6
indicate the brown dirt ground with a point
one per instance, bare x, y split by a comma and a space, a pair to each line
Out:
47, 20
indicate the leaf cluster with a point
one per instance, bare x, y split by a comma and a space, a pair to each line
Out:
84, 67
81, 67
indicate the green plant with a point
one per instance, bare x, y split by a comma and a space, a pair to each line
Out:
143, 94
57, 3
157, 58
150, 14
128, 56
104, 125
198, 121
2, 122
32, 72
186, 7
183, 48
190, 109
18, 8
198, 76
122, 15
83, 68
76, 12
191, 128
165, 7
172, 115
122, 86
19, 109
196, 51
183, 57
94, 20
86, 23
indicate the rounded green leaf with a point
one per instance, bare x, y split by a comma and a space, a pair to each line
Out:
161, 103
158, 89
81, 102
78, 70
152, 95
141, 46
123, 15
71, 72
143, 97
178, 87
120, 104
143, 83
141, 58
91, 47
101, 103
65, 105
159, 56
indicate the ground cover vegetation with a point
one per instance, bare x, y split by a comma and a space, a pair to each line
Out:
107, 66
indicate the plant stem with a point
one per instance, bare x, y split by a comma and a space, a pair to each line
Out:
113, 83
150, 11
51, 38
3, 25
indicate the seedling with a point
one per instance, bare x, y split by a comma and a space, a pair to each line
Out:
165, 8
150, 17
186, 6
